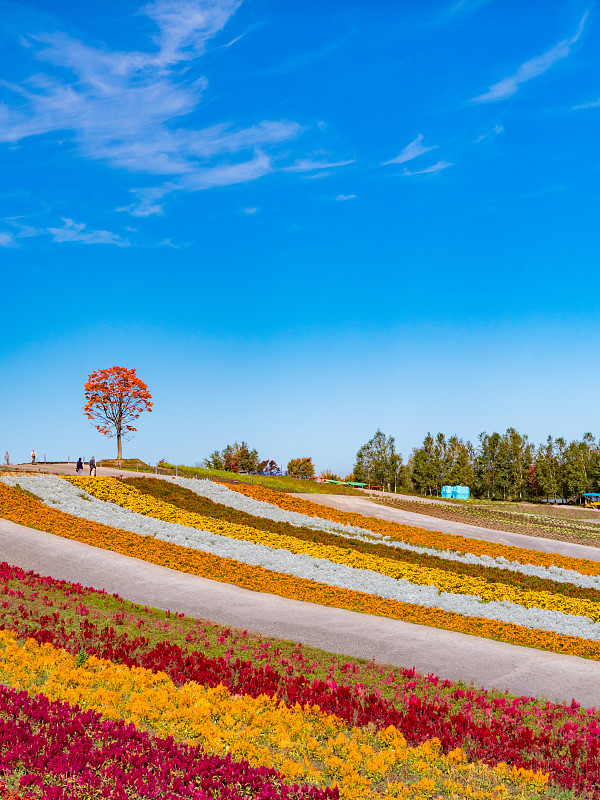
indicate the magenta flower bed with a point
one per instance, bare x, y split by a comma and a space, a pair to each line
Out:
79, 752
520, 731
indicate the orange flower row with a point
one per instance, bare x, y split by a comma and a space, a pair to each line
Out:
20, 508
415, 536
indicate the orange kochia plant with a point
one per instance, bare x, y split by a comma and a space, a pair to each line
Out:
116, 397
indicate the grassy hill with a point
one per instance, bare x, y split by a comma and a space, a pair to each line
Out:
278, 483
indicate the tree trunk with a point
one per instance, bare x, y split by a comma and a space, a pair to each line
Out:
119, 449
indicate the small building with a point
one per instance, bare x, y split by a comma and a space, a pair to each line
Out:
456, 492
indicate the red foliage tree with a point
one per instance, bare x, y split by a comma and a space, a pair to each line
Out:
532, 479
116, 397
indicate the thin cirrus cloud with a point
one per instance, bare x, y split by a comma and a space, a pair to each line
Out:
438, 167
592, 104
341, 198
7, 239
491, 134
70, 231
129, 109
308, 165
531, 69
412, 150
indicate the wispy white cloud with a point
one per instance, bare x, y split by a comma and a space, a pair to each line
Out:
308, 165
129, 108
79, 232
147, 204
20, 229
7, 239
227, 174
491, 134
316, 176
70, 231
250, 210
429, 170
185, 26
592, 104
169, 243
532, 68
415, 149
343, 197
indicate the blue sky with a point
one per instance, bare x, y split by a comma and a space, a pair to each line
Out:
299, 221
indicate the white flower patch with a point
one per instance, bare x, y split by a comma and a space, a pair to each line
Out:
61, 494
222, 494
219, 493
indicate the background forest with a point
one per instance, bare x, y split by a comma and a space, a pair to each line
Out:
504, 466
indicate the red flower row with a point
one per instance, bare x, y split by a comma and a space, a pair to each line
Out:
48, 742
492, 729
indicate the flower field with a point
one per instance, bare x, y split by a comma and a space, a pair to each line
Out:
156, 705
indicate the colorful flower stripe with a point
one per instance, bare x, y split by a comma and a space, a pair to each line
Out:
20, 508
63, 753
207, 489
417, 536
115, 491
505, 729
221, 493
62, 493
187, 500
301, 743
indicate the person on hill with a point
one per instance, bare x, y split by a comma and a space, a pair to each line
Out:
33, 456
79, 467
7, 458
92, 463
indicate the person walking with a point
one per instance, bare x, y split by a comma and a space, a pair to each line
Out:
93, 466
79, 467
33, 456
7, 458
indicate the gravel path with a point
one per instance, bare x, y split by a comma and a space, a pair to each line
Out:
69, 469
454, 656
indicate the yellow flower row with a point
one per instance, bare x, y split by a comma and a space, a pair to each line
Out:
303, 743
115, 491
416, 536
24, 510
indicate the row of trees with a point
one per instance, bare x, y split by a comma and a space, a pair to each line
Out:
239, 457
504, 466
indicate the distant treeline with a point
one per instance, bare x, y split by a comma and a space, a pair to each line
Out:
504, 466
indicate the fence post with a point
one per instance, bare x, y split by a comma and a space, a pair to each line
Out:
156, 469
175, 470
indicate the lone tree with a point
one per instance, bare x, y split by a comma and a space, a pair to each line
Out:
116, 397
301, 468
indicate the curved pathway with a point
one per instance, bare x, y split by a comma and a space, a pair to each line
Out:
455, 656
365, 506
360, 505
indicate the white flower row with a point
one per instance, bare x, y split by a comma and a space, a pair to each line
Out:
59, 493
219, 493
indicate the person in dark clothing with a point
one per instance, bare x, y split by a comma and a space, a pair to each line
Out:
79, 467
93, 466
